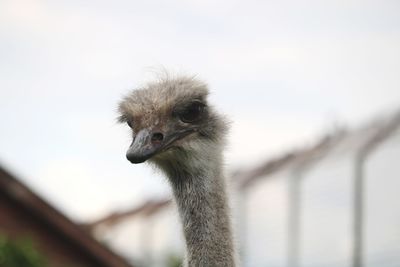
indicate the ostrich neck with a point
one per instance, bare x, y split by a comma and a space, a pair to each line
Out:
202, 203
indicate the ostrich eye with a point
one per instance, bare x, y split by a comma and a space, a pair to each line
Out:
129, 123
192, 112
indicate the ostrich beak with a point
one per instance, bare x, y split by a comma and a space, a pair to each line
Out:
147, 143
144, 146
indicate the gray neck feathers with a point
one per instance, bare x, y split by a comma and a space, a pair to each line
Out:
199, 190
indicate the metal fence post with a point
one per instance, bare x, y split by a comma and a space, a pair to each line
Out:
364, 152
294, 213
358, 211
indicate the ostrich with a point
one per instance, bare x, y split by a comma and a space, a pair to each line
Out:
175, 129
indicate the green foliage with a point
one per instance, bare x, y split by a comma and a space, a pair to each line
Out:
174, 261
19, 253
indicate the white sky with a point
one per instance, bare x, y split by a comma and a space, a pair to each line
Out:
283, 71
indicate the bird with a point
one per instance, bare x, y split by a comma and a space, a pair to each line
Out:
175, 129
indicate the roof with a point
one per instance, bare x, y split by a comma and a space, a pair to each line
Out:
56, 222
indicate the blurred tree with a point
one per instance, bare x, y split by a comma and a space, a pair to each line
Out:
19, 253
174, 261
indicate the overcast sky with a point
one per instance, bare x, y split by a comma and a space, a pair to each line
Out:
283, 71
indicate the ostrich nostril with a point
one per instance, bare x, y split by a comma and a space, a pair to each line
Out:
157, 137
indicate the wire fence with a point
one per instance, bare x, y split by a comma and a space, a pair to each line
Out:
334, 204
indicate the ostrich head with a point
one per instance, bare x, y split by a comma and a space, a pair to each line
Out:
172, 123
174, 128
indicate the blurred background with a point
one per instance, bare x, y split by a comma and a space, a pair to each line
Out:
313, 92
